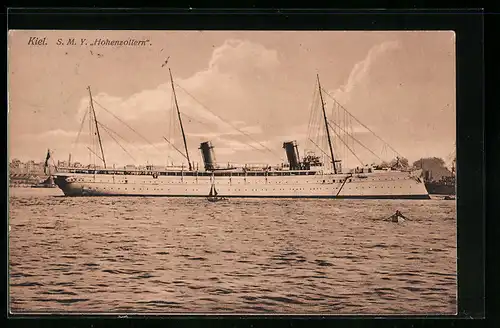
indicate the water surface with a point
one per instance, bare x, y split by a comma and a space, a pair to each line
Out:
185, 255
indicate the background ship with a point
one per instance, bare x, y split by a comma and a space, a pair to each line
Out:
309, 177
445, 185
47, 183
33, 176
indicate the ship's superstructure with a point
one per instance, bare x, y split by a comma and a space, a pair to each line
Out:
309, 177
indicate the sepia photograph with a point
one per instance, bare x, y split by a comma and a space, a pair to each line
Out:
232, 172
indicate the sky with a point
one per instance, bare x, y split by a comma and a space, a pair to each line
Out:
245, 91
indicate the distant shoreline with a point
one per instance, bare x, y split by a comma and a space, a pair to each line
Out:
27, 180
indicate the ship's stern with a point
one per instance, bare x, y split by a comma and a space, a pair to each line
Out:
421, 189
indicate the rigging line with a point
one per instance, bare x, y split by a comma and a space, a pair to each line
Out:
362, 124
261, 150
192, 118
118, 135
128, 126
263, 146
311, 108
109, 130
171, 126
180, 120
315, 125
351, 128
79, 131
341, 118
344, 122
359, 142
348, 127
338, 136
91, 134
313, 129
180, 152
93, 152
320, 149
321, 135
106, 129
326, 126
205, 124
97, 127
114, 132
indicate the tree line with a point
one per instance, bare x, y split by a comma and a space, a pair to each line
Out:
435, 165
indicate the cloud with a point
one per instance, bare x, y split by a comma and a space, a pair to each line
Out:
58, 133
156, 153
249, 130
349, 130
238, 123
224, 151
396, 93
207, 100
145, 106
254, 129
240, 55
247, 149
235, 144
360, 71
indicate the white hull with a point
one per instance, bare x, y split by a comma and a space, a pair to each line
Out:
398, 185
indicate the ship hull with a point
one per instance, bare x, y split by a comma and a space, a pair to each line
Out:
392, 185
440, 189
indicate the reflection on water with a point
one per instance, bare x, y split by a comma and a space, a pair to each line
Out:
127, 254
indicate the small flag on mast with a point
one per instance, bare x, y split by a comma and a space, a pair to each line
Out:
46, 161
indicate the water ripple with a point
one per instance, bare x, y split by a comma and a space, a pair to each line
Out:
127, 254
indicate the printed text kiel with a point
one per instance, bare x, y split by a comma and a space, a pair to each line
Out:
36, 41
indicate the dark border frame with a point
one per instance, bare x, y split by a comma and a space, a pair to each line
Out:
468, 26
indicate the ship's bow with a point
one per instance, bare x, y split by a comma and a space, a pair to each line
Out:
66, 184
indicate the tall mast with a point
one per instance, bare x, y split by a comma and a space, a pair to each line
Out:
96, 126
180, 120
326, 126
